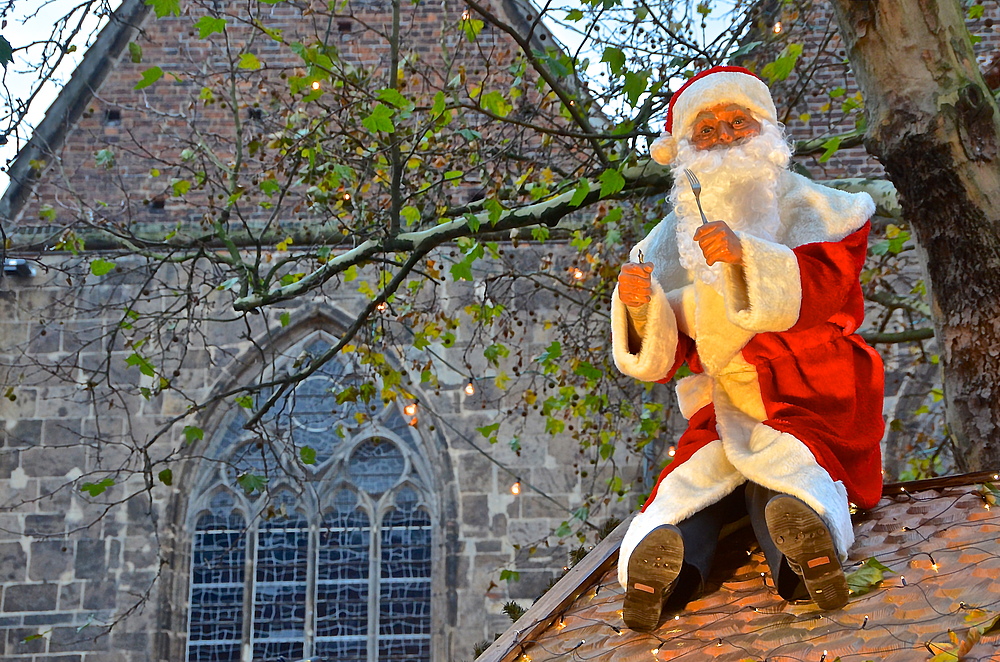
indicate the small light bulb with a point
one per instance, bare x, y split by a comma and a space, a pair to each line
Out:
382, 306
347, 196
466, 15
470, 389
776, 28
515, 488
996, 476
576, 273
413, 422
935, 566
672, 451
410, 409
315, 85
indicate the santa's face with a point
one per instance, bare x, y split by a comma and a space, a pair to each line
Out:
723, 125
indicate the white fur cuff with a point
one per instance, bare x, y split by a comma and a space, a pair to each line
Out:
766, 294
659, 343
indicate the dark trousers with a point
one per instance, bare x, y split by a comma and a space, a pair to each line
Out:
701, 538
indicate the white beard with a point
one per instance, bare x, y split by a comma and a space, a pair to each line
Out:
738, 185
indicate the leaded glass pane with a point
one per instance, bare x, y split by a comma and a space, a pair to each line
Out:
342, 650
376, 465
405, 586
280, 591
217, 581
342, 582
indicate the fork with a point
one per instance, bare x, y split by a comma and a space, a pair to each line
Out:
696, 189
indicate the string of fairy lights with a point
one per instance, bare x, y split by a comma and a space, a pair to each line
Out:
936, 539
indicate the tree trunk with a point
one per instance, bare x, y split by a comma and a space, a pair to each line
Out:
933, 123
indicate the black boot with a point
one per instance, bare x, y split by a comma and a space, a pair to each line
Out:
653, 569
800, 534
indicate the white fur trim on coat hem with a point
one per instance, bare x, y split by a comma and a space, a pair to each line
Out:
766, 294
705, 478
659, 342
780, 462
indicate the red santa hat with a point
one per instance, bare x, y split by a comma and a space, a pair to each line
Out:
710, 88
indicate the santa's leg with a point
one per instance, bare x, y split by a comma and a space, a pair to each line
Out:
789, 584
798, 546
669, 565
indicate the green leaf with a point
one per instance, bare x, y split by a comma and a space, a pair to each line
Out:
472, 27
105, 158
745, 49
249, 61
976, 11
245, 401
588, 371
210, 25
580, 194
193, 434
379, 120
100, 266
867, 577
166, 477
615, 59
308, 455
509, 576
180, 187
488, 430
552, 352
635, 85
453, 174
563, 530
134, 52
394, 98
611, 182
251, 482
494, 209
149, 76
165, 7
782, 66
96, 489
6, 52
830, 148
574, 15
141, 362
284, 318
495, 102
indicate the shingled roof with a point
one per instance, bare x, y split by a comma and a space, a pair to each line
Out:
938, 599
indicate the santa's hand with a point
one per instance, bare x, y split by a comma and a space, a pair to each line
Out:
635, 284
719, 243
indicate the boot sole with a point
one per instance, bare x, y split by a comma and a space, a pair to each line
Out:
652, 571
800, 534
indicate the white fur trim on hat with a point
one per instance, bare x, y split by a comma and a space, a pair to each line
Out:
717, 88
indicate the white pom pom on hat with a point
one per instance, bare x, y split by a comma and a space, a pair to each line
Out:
711, 88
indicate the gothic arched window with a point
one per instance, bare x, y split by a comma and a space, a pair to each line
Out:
332, 558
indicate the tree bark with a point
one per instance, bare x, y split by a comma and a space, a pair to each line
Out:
933, 124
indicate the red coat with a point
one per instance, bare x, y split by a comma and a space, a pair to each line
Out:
819, 381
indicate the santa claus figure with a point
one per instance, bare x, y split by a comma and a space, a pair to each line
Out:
762, 302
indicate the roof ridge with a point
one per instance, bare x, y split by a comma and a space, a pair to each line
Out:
70, 103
